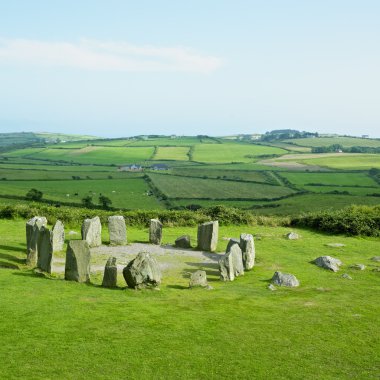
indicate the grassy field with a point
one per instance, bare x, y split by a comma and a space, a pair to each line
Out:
326, 328
346, 142
229, 152
176, 153
186, 187
124, 193
353, 161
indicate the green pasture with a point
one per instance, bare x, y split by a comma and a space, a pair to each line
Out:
346, 142
351, 190
175, 153
327, 328
178, 141
352, 161
232, 152
256, 176
328, 178
124, 193
187, 187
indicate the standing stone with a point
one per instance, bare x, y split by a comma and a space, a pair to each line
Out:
328, 262
285, 279
110, 273
92, 232
45, 249
58, 236
247, 245
198, 279
33, 227
183, 242
231, 264
143, 271
155, 232
77, 267
208, 236
117, 230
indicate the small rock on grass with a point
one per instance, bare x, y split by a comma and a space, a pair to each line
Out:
285, 279
335, 245
346, 276
292, 236
358, 266
271, 287
376, 258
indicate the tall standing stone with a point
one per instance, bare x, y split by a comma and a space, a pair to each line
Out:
117, 230
33, 227
110, 273
92, 232
208, 236
58, 236
247, 245
155, 232
45, 249
77, 267
231, 264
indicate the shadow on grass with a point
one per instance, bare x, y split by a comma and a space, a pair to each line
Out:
211, 269
6, 265
13, 248
180, 287
15, 259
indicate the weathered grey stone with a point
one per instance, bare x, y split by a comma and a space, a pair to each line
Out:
117, 230
231, 264
92, 232
247, 246
376, 258
292, 236
45, 249
285, 279
198, 279
231, 242
77, 266
328, 262
110, 273
58, 236
143, 271
271, 287
183, 242
377, 269
335, 245
358, 266
155, 232
33, 227
208, 236
346, 276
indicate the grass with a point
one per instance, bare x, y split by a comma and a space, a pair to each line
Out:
186, 187
352, 190
352, 161
289, 333
124, 193
232, 152
346, 142
176, 153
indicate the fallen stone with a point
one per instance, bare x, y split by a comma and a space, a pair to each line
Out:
285, 279
58, 236
92, 232
376, 258
110, 274
335, 245
183, 242
377, 269
328, 262
143, 271
292, 236
33, 227
357, 266
346, 276
77, 266
45, 249
271, 287
198, 279
247, 246
117, 230
155, 232
231, 264
208, 236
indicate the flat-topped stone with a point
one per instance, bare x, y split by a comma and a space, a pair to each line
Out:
208, 236
110, 274
198, 279
45, 249
117, 230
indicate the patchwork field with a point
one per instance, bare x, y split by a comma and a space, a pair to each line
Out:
346, 142
352, 161
176, 153
183, 324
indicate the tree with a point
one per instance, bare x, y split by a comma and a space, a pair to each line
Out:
105, 201
87, 201
34, 195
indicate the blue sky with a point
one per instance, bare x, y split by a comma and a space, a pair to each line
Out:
120, 68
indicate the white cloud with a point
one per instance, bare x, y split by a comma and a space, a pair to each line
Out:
106, 56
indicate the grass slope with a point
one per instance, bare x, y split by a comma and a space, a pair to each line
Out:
326, 329
346, 142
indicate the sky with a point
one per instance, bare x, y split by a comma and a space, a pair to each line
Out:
116, 68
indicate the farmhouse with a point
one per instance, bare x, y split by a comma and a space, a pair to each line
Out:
160, 167
131, 168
